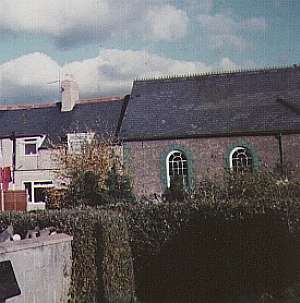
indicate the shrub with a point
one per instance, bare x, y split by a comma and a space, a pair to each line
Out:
245, 231
92, 177
119, 187
176, 191
189, 252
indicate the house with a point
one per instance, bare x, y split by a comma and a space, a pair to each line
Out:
191, 126
29, 134
198, 126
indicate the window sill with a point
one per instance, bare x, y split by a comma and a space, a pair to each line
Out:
36, 206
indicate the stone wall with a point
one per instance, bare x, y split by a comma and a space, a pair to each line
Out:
208, 157
42, 268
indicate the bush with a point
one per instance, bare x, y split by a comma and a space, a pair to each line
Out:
177, 191
234, 241
229, 241
92, 177
255, 191
187, 252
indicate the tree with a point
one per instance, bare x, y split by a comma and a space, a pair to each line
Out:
92, 175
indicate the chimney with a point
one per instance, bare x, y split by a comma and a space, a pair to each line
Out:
70, 93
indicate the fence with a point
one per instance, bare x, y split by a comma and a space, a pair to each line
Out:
14, 200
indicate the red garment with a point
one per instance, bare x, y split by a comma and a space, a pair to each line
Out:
6, 175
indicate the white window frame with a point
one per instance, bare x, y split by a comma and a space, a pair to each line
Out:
79, 139
34, 186
33, 140
30, 141
167, 164
233, 151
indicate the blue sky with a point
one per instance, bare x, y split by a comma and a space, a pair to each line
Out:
106, 44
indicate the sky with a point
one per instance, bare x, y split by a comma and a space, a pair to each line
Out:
106, 44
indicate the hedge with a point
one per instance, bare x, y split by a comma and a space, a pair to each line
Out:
190, 252
102, 264
175, 252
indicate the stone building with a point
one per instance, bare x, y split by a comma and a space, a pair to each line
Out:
199, 126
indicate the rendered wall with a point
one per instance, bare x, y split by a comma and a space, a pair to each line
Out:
42, 268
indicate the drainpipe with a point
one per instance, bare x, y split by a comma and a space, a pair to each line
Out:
279, 138
13, 139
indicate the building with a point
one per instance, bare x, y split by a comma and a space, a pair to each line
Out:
191, 126
199, 126
30, 133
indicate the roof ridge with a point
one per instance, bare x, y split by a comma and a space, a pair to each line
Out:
99, 99
26, 106
54, 104
219, 73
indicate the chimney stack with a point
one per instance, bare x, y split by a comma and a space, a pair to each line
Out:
70, 93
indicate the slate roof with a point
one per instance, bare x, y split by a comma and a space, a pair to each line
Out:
100, 115
214, 104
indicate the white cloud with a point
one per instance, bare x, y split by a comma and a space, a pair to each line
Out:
26, 79
218, 24
225, 30
228, 64
113, 71
166, 23
71, 22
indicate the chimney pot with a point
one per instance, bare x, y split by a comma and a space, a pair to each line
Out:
69, 93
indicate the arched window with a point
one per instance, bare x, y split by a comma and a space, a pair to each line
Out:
177, 167
241, 160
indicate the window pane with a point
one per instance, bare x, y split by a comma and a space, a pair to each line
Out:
30, 148
177, 167
40, 194
241, 160
28, 190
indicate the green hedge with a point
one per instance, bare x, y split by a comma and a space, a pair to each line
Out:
102, 264
119, 249
179, 247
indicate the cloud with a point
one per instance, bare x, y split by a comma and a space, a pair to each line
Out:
167, 23
73, 22
26, 78
31, 78
228, 64
255, 23
113, 70
225, 30
224, 40
200, 6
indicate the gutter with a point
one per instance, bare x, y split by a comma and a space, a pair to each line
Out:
217, 135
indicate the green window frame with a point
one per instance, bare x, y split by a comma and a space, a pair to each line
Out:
164, 163
256, 163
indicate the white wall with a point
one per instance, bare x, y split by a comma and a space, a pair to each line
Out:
42, 268
39, 167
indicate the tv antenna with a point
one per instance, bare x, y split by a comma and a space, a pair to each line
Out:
59, 84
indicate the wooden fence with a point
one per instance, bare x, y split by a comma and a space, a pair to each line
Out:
14, 200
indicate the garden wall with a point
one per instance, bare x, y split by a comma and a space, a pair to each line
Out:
42, 268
